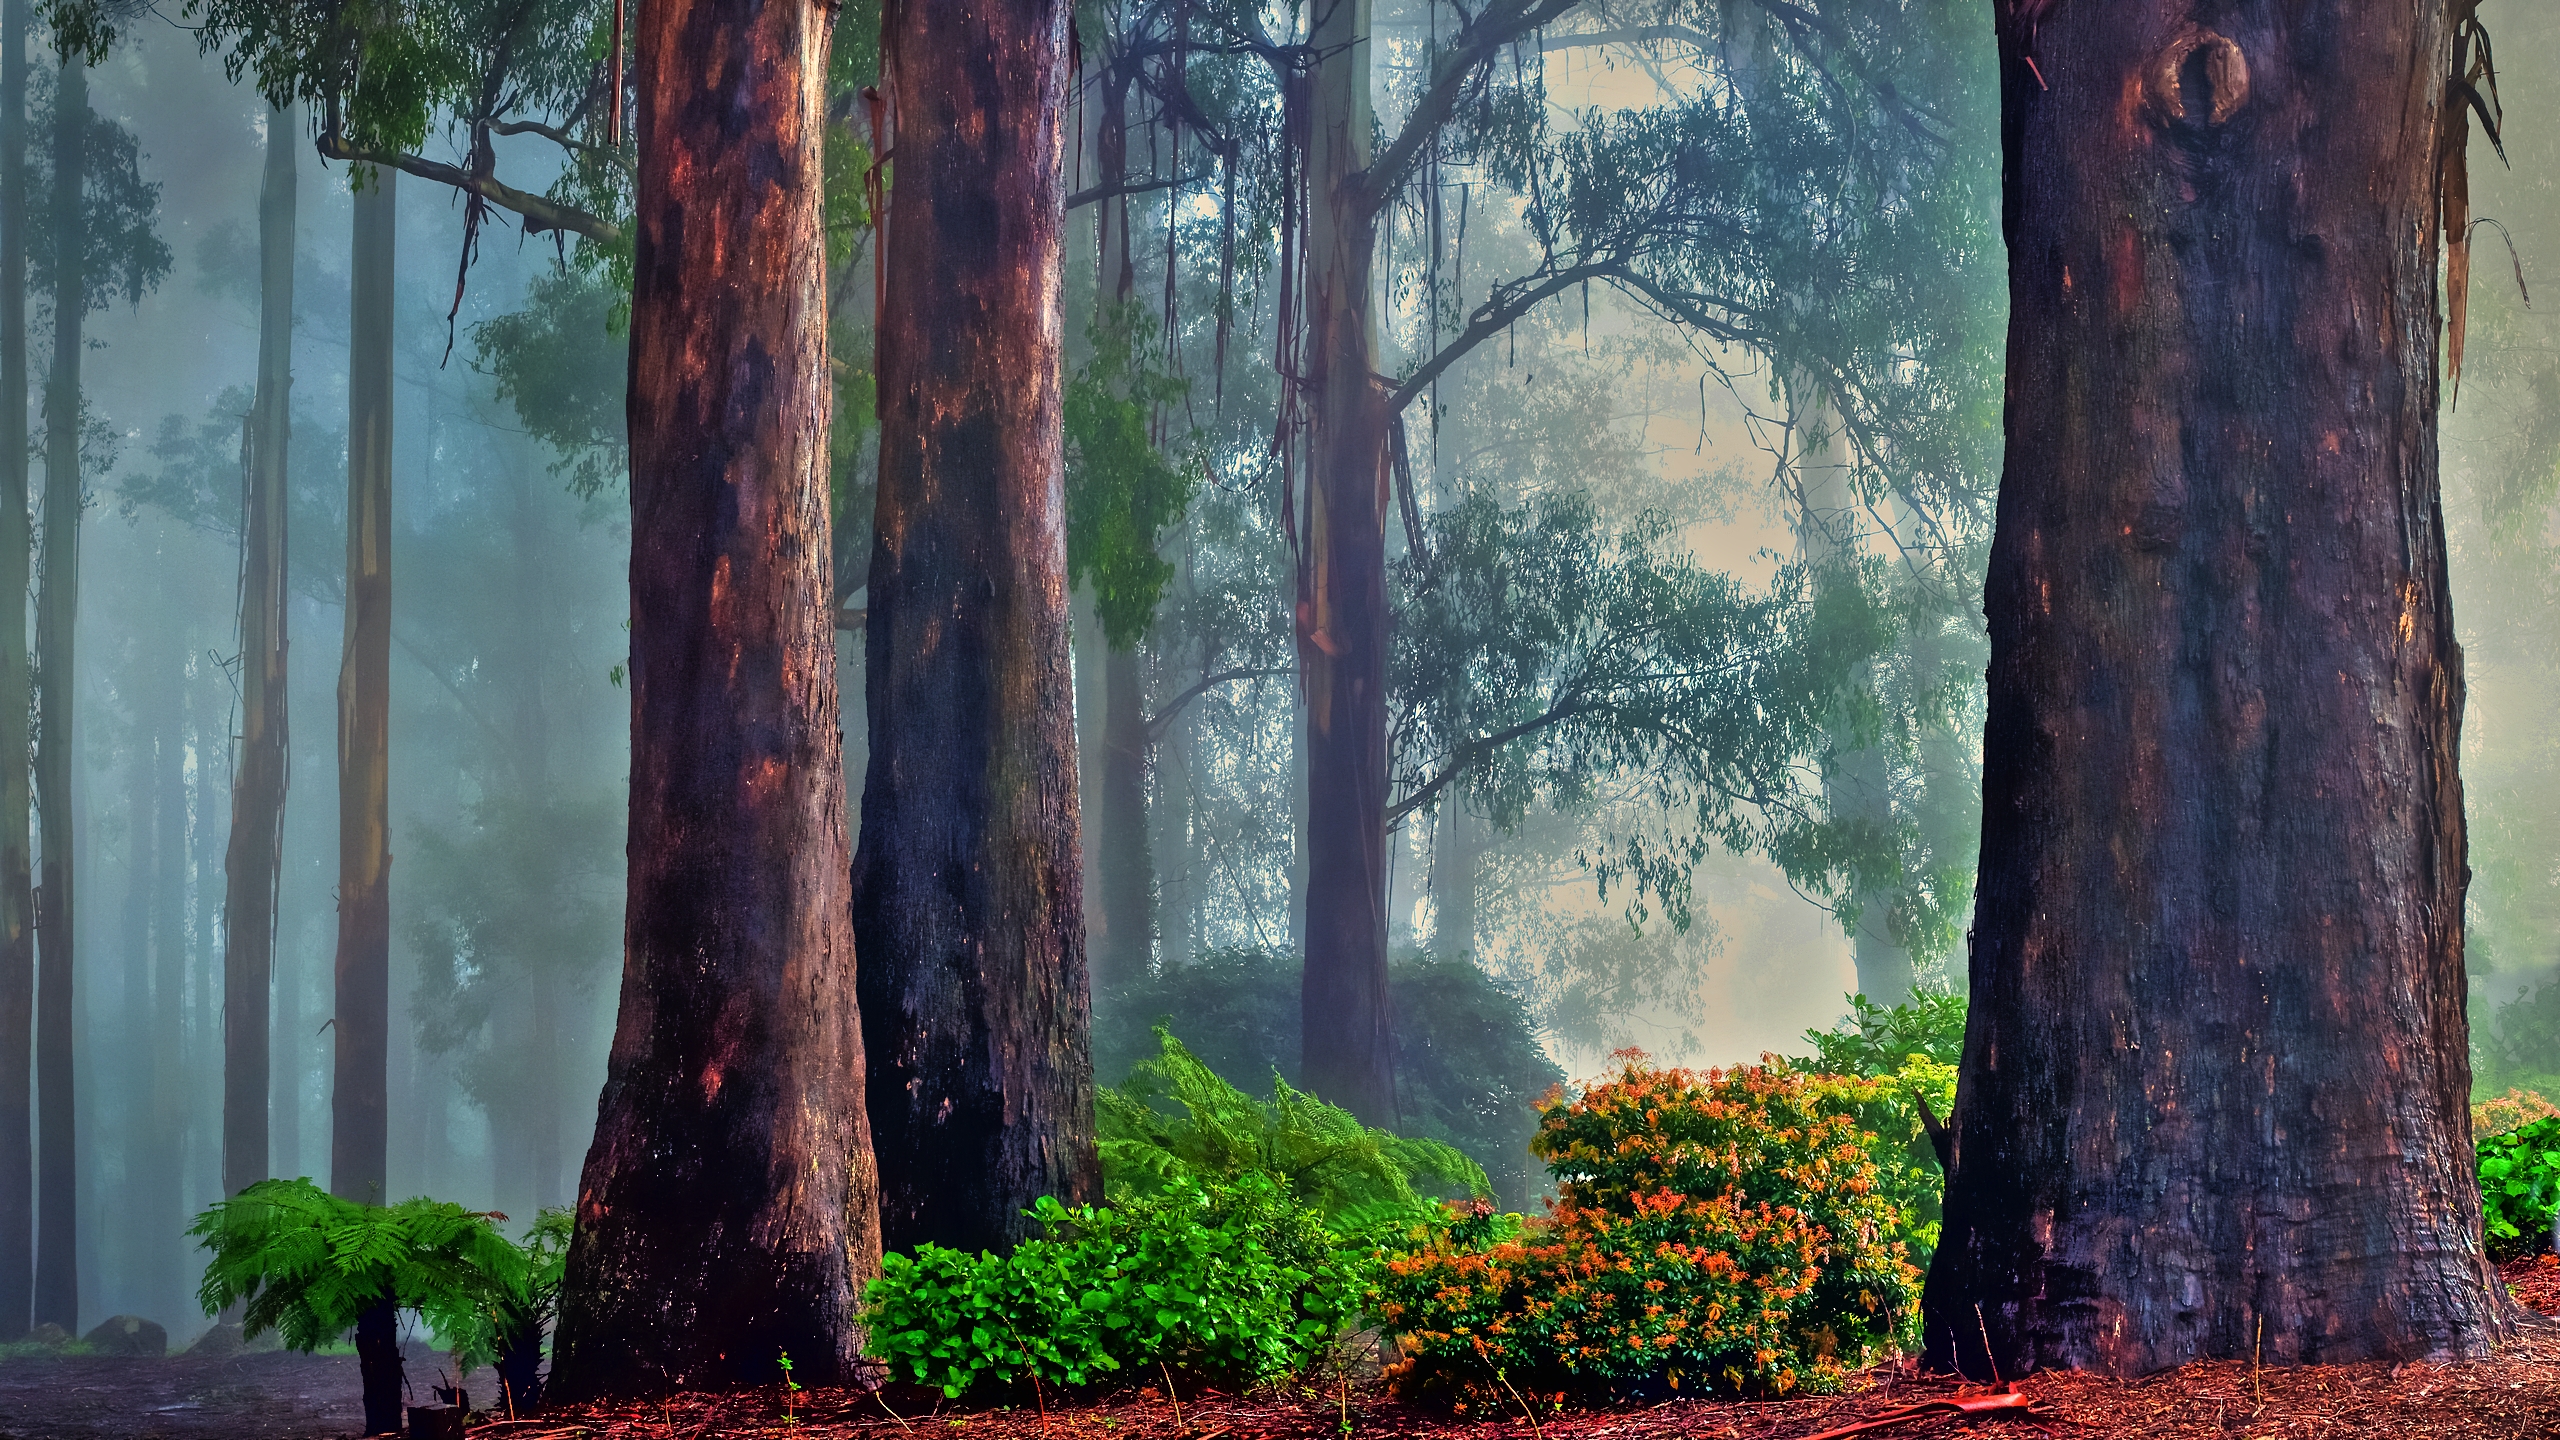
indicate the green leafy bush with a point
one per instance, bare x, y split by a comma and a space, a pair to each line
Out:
1876, 1040
1321, 1156
2520, 1187
1227, 1280
1719, 1230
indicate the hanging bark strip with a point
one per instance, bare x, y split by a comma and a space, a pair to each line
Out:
726, 1211
613, 105
2216, 1072
968, 897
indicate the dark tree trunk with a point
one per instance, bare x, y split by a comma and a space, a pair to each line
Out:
17, 880
968, 889
2214, 1084
727, 1210
1349, 1047
378, 1365
251, 862
57, 735
359, 1097
1127, 931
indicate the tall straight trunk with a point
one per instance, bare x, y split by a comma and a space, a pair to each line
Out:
1349, 1047
728, 1210
2213, 1098
1457, 853
359, 1096
1120, 830
17, 879
1858, 788
968, 893
147, 1159
255, 854
57, 735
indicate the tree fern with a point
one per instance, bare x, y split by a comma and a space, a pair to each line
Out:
1353, 1175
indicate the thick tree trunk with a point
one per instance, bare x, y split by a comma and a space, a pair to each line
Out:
251, 862
17, 879
1349, 1047
57, 1297
378, 1365
727, 1209
2214, 1084
968, 883
359, 1097
1120, 831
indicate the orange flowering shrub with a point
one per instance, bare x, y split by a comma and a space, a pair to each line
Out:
1713, 1229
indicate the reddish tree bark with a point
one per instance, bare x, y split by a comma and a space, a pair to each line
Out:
360, 1085
257, 787
968, 891
727, 1210
17, 859
2214, 1084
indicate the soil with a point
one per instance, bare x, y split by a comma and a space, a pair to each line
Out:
2512, 1396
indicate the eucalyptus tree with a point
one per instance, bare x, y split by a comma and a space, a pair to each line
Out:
17, 699
2224, 858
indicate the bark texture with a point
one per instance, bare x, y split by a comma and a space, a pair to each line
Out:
17, 695
251, 862
359, 1095
968, 885
726, 1213
2214, 1083
57, 1295
1349, 1045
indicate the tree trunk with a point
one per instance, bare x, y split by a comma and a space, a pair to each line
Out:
17, 880
57, 733
255, 854
727, 1209
1349, 1054
968, 891
1128, 877
378, 1365
359, 1097
2214, 1083
1457, 853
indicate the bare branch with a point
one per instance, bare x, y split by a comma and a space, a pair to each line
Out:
537, 213
1162, 718
562, 138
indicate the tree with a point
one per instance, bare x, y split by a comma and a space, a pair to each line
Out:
727, 1210
255, 853
17, 861
2215, 1072
968, 896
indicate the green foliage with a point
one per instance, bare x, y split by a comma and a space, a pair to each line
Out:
563, 363
1874, 1040
1121, 491
307, 1263
516, 1303
121, 252
1721, 1230
1323, 1157
1235, 1282
1469, 1070
2520, 1187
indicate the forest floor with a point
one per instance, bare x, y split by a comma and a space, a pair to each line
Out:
276, 1396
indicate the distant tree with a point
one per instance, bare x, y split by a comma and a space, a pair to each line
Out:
968, 877
17, 700
2213, 1094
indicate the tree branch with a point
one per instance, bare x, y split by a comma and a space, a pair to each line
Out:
537, 213
1092, 193
1490, 319
1157, 722
1477, 44
1476, 749
562, 138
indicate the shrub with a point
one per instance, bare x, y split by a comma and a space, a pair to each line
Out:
1323, 1157
1228, 1280
1726, 1229
2513, 1110
2520, 1187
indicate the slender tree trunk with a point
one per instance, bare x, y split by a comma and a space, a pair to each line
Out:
2213, 1100
728, 1208
17, 880
146, 1078
969, 892
1128, 874
1342, 603
255, 855
57, 733
1457, 851
359, 1098
158, 1175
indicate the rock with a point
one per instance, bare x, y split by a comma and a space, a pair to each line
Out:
127, 1335
219, 1343
50, 1334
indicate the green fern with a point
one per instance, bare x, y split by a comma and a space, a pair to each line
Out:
307, 1264
1352, 1175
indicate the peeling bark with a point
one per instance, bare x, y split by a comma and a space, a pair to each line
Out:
969, 890
726, 1213
2213, 1099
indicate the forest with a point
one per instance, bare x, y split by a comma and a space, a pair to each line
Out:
1404, 715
